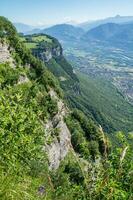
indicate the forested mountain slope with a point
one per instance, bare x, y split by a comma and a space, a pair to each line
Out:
113, 35
49, 50
47, 150
100, 104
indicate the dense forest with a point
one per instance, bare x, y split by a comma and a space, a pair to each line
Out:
96, 166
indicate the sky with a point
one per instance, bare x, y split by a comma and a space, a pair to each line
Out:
40, 12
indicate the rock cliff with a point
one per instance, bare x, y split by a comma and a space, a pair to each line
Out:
5, 55
46, 53
61, 143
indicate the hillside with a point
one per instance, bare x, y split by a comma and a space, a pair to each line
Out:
49, 50
109, 107
110, 77
113, 35
84, 98
47, 150
103, 32
64, 32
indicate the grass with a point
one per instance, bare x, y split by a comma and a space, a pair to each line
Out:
35, 40
31, 45
22, 39
41, 38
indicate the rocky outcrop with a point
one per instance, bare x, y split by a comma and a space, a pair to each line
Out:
46, 54
61, 144
5, 55
23, 79
57, 52
59, 148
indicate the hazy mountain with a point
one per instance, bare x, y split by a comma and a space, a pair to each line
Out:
113, 34
102, 32
33, 31
64, 32
23, 27
28, 29
72, 22
117, 19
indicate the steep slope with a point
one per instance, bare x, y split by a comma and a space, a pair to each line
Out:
26, 75
95, 101
36, 129
5, 54
49, 50
107, 104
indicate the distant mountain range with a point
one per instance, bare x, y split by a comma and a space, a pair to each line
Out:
102, 32
117, 35
64, 32
117, 19
23, 28
117, 31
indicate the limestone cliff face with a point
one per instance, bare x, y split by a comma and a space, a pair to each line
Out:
61, 144
5, 55
47, 53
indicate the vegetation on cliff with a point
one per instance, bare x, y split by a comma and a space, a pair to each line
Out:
91, 170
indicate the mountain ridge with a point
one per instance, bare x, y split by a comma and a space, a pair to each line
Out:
64, 32
115, 34
117, 19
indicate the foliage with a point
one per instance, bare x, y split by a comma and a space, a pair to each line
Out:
87, 139
89, 171
116, 181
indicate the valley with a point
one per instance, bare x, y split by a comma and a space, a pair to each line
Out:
104, 50
116, 65
98, 81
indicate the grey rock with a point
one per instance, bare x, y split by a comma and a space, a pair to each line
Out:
41, 190
60, 146
23, 79
46, 54
5, 55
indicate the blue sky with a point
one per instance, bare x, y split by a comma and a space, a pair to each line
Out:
37, 12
